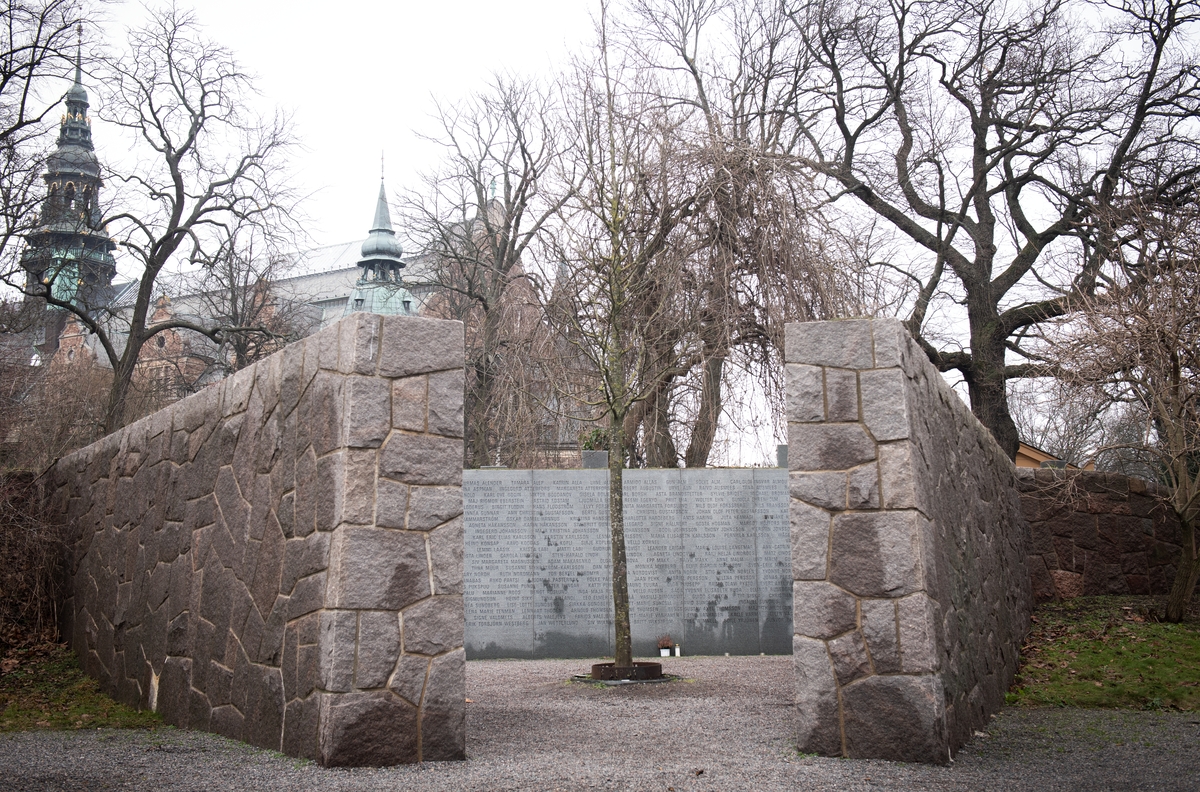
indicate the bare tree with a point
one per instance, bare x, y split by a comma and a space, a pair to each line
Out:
204, 167
615, 279
1139, 345
990, 136
237, 287
479, 214
754, 260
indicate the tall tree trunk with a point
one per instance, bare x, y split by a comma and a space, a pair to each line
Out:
705, 430
623, 644
656, 429
986, 381
1186, 574
118, 394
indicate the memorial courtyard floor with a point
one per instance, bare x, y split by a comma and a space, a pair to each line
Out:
726, 726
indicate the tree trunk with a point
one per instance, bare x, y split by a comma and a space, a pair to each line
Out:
118, 394
656, 428
986, 382
1186, 575
623, 644
705, 430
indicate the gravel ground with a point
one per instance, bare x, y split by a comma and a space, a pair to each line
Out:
726, 726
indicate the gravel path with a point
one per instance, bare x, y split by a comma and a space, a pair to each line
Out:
727, 726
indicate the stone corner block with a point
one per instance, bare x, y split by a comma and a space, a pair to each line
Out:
897, 718
817, 729
822, 610
367, 411
422, 459
885, 403
876, 554
377, 568
844, 343
358, 343
804, 399
372, 729
416, 345
828, 446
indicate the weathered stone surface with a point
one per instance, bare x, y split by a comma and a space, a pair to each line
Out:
229, 568
879, 630
917, 619
422, 459
1077, 518
339, 631
373, 729
822, 610
849, 655
443, 711
433, 626
899, 718
841, 395
378, 648
409, 679
446, 553
810, 528
826, 489
844, 344
413, 345
805, 397
814, 446
378, 569
897, 476
876, 554
429, 507
884, 408
358, 343
446, 403
818, 729
391, 504
409, 403
862, 487
368, 411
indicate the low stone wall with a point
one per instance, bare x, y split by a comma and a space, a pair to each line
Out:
279, 558
908, 549
708, 562
1098, 533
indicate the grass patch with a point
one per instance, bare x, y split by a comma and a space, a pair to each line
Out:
1109, 652
42, 687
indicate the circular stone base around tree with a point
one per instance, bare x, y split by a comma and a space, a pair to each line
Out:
638, 672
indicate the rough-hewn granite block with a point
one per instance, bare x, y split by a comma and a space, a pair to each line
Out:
240, 565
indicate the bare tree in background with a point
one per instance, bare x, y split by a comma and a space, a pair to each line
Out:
989, 136
1138, 345
237, 287
758, 258
205, 167
479, 215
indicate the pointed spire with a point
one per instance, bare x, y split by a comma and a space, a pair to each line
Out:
383, 218
79, 54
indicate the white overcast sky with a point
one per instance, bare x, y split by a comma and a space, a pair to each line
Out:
360, 77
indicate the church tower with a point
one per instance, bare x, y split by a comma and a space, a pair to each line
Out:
68, 256
380, 289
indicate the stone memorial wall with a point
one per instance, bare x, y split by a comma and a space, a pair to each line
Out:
708, 550
278, 558
912, 595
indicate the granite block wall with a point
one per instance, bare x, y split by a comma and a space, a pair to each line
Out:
1098, 533
278, 558
911, 595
